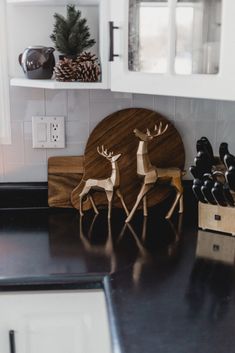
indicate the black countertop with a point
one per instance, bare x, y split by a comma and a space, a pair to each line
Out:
164, 295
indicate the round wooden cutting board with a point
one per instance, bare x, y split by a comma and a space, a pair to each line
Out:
115, 132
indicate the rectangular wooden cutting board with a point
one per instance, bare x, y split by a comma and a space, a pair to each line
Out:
64, 174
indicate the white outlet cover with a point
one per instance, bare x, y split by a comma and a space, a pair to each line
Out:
48, 131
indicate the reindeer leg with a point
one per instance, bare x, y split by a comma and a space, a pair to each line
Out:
84, 192
181, 208
144, 189
118, 192
144, 229
177, 183
80, 205
170, 212
93, 204
110, 199
145, 208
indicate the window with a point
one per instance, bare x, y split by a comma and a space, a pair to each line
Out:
148, 36
198, 27
174, 36
5, 137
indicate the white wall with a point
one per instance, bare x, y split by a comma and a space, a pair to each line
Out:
84, 109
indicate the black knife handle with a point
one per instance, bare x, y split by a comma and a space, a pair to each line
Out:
12, 341
111, 46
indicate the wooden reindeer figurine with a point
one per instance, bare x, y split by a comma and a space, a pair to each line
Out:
109, 185
150, 173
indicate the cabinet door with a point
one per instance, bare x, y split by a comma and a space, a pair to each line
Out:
174, 47
55, 332
55, 322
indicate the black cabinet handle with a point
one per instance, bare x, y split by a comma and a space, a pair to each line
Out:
12, 341
111, 30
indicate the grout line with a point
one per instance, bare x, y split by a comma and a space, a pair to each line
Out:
23, 130
66, 121
45, 113
218, 114
89, 112
132, 101
174, 109
67, 105
44, 101
3, 164
152, 102
155, 105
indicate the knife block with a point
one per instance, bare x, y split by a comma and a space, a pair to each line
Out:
216, 247
217, 218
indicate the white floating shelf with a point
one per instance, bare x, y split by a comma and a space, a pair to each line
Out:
54, 2
52, 84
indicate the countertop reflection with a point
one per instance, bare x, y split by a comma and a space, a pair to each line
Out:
172, 285
51, 241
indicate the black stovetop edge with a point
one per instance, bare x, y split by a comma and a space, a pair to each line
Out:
35, 194
52, 282
23, 195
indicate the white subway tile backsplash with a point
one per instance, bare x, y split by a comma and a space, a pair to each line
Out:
99, 110
165, 106
74, 149
227, 111
25, 173
225, 133
187, 132
26, 102
77, 131
208, 129
143, 101
56, 102
14, 153
78, 105
107, 95
101, 95
84, 109
121, 104
92, 125
14, 172
204, 109
32, 156
183, 109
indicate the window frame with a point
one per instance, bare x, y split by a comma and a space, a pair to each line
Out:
5, 130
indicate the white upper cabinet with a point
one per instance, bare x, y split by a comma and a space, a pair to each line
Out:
173, 47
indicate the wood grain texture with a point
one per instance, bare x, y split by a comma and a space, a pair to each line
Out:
116, 133
64, 174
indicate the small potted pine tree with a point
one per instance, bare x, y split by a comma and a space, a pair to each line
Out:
71, 36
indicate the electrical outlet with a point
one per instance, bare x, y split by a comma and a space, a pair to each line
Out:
54, 132
48, 132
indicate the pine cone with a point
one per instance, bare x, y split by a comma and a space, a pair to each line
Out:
87, 56
88, 67
66, 70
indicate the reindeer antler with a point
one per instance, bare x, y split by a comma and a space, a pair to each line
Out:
104, 152
159, 130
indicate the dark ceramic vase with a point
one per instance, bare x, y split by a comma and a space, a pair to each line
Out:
38, 62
